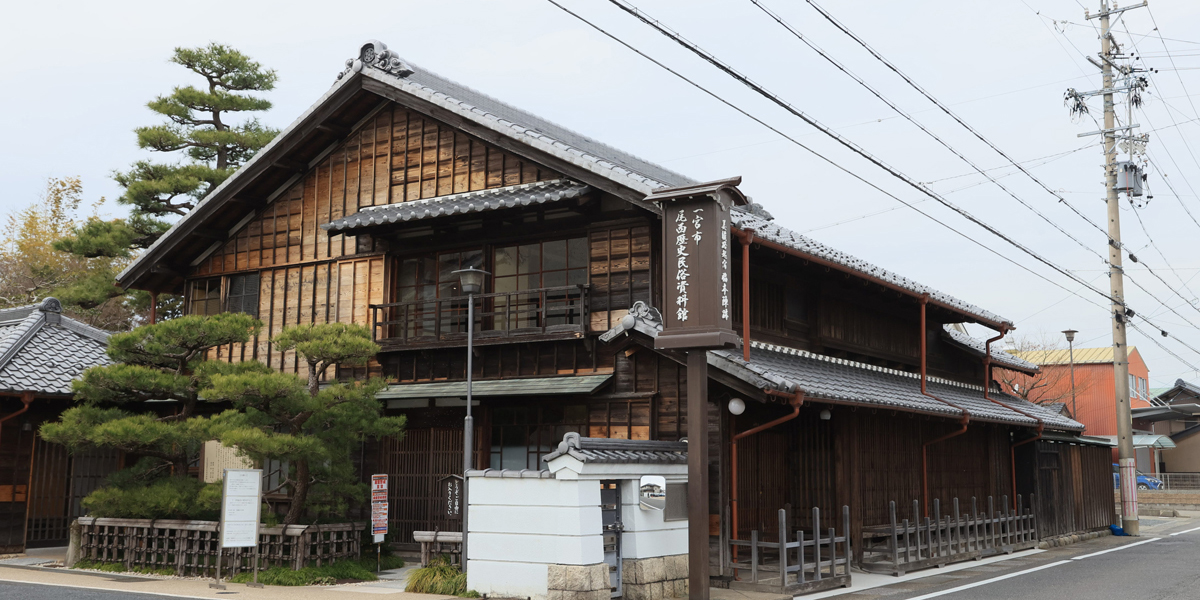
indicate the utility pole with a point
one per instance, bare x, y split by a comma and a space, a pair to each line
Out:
1125, 453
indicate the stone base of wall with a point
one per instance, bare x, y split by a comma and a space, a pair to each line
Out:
655, 578
578, 582
1156, 500
1075, 538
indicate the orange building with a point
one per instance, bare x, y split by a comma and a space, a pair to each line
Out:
1095, 402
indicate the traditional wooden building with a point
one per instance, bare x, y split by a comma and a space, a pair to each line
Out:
41, 484
362, 209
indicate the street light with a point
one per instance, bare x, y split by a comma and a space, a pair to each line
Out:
471, 282
1070, 333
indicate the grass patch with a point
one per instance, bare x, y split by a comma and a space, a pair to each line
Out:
96, 565
440, 577
363, 570
116, 567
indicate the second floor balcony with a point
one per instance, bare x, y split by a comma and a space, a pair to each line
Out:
525, 315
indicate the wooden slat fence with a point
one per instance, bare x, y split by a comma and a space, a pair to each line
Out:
818, 560
191, 547
907, 545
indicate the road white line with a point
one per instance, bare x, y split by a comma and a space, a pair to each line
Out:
97, 589
1115, 549
1187, 531
992, 580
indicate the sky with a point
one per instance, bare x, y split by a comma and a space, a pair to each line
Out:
80, 74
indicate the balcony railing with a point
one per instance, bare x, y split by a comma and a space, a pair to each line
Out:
546, 312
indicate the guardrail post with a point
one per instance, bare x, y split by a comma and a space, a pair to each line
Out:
800, 539
849, 548
754, 556
783, 572
895, 538
817, 542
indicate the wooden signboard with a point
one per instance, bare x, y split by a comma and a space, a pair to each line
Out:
698, 287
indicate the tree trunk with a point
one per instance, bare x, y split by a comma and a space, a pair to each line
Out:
299, 494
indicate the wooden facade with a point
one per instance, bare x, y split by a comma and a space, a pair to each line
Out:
379, 146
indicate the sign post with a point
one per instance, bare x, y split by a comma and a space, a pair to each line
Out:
241, 503
379, 513
697, 317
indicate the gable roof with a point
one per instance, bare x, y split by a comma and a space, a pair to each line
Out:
379, 73
42, 351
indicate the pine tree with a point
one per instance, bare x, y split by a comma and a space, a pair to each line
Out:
202, 128
315, 430
166, 364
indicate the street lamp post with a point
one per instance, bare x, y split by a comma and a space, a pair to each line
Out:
471, 282
1070, 333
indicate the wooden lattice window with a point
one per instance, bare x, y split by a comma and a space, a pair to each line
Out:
243, 294
204, 296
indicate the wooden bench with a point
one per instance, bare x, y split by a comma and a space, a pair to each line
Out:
434, 543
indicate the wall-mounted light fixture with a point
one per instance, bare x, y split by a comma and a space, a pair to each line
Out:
737, 406
825, 414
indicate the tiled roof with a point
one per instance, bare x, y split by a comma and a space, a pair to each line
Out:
772, 231
582, 151
977, 346
605, 450
540, 192
843, 381
44, 351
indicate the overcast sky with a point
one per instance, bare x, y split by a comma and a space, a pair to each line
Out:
79, 74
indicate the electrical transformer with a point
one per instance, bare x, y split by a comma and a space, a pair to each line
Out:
1129, 178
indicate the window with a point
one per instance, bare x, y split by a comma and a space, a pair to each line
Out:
204, 297
422, 280
536, 266
243, 294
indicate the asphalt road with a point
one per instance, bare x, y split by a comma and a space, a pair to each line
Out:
25, 591
1155, 566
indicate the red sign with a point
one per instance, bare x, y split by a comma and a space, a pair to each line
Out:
379, 504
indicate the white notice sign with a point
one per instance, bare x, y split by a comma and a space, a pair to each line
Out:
240, 505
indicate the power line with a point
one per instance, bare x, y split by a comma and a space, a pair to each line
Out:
711, 59
860, 178
824, 158
922, 127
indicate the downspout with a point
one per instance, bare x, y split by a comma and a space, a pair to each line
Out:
796, 399
746, 237
987, 385
966, 415
26, 399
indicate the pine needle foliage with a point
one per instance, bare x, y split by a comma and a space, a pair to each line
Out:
205, 136
314, 429
160, 362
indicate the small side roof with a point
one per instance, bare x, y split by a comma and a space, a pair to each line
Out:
615, 451
977, 347
41, 351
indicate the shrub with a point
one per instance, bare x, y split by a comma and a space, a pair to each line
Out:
440, 577
168, 498
363, 570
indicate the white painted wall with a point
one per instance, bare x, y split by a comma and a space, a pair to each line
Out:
519, 526
647, 534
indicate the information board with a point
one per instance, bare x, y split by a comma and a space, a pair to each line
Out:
241, 502
379, 506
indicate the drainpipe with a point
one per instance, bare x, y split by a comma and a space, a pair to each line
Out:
796, 399
987, 385
746, 237
966, 415
26, 399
